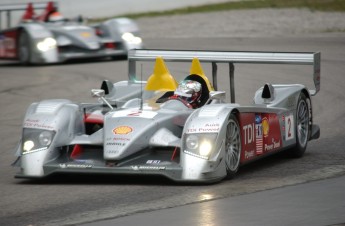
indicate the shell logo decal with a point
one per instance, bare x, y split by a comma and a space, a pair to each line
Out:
122, 130
265, 127
85, 34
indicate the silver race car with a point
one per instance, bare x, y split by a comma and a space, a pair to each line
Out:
184, 131
51, 38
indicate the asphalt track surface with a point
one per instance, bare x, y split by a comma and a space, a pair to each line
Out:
291, 205
65, 200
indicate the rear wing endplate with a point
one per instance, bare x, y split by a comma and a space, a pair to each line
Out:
214, 57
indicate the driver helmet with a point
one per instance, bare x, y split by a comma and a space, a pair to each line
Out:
55, 17
189, 91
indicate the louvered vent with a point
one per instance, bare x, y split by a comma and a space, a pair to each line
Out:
50, 106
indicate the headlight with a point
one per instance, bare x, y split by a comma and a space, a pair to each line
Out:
46, 44
192, 142
205, 148
28, 145
36, 140
45, 138
200, 145
129, 37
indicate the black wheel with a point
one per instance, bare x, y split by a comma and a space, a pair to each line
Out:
232, 146
24, 49
302, 126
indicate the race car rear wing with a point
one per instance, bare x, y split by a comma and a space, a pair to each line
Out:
9, 8
214, 57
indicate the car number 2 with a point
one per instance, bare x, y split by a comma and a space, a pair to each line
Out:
289, 127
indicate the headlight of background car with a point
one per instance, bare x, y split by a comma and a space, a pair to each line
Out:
36, 140
46, 44
200, 145
131, 38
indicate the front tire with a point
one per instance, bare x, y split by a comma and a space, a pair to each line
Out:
302, 126
232, 146
24, 50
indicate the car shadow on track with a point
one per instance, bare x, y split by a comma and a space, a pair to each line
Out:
249, 170
95, 179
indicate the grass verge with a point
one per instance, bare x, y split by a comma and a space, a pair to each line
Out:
318, 5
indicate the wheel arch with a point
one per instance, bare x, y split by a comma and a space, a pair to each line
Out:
24, 30
309, 102
300, 128
233, 145
36, 33
207, 120
236, 112
60, 117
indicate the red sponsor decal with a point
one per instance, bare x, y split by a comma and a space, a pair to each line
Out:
272, 134
260, 133
247, 126
135, 113
8, 44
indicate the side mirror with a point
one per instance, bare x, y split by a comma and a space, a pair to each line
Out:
100, 93
217, 95
97, 93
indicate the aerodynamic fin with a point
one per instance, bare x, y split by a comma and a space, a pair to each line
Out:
197, 70
29, 13
48, 10
161, 79
268, 91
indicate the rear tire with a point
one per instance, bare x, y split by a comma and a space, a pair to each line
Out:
302, 126
232, 146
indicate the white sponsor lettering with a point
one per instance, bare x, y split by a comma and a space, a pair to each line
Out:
273, 145
153, 161
211, 129
37, 124
112, 151
148, 167
78, 166
249, 154
248, 133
